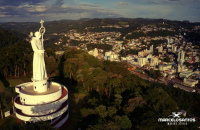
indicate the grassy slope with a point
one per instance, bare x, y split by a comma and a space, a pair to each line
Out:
14, 82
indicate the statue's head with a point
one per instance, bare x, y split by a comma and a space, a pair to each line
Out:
37, 34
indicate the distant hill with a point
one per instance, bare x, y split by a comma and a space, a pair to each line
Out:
51, 27
66, 25
9, 37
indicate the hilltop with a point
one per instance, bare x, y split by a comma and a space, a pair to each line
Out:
62, 26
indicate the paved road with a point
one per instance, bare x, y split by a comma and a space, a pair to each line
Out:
167, 82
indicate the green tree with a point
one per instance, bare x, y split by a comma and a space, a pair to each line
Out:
154, 73
112, 111
83, 75
94, 101
99, 79
85, 112
134, 103
51, 64
117, 100
111, 126
102, 112
125, 123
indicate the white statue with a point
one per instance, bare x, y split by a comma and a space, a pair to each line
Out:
39, 69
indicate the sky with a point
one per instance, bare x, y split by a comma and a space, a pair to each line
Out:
50, 10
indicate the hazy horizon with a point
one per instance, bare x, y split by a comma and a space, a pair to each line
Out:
52, 10
93, 18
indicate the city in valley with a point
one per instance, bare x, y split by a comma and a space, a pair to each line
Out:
176, 57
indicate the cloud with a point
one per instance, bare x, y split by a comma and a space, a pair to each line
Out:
23, 10
162, 2
89, 5
167, 2
152, 2
179, 2
123, 3
20, 2
58, 11
59, 3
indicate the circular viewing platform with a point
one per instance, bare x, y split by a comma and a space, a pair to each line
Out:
33, 106
30, 97
29, 89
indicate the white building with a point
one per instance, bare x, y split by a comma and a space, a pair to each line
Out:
186, 73
181, 56
151, 49
111, 56
170, 40
160, 49
94, 52
91, 52
141, 54
164, 67
123, 58
147, 51
179, 68
154, 61
141, 61
131, 43
59, 52
190, 82
174, 48
129, 57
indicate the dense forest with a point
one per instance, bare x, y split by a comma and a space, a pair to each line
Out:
120, 100
8, 37
17, 59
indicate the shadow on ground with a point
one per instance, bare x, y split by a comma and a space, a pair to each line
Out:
4, 81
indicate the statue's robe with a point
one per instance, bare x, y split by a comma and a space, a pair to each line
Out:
39, 69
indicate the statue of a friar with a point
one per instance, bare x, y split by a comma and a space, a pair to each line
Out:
39, 69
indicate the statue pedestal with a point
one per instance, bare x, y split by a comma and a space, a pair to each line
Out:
40, 86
